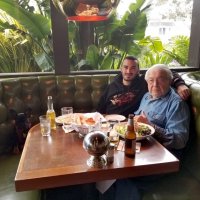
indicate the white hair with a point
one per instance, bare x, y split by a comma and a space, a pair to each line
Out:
159, 67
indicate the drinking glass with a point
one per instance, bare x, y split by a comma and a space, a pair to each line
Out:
67, 112
45, 125
113, 135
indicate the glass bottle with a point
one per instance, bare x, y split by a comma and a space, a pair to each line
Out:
110, 153
50, 112
130, 138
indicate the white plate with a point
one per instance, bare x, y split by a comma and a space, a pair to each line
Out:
115, 117
123, 124
79, 118
63, 119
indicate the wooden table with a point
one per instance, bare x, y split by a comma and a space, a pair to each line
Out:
60, 160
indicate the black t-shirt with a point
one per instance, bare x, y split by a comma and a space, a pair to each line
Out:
121, 99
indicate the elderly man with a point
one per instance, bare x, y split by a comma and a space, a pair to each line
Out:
162, 108
125, 92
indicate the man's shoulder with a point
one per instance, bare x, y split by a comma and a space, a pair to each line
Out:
117, 80
175, 99
139, 79
174, 96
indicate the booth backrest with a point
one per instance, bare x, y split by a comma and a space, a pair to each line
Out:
24, 94
192, 160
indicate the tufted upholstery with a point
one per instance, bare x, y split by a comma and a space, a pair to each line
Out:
20, 94
193, 156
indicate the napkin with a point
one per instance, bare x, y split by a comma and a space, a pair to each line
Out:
120, 146
103, 186
84, 127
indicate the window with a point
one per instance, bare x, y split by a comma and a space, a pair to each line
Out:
27, 48
165, 40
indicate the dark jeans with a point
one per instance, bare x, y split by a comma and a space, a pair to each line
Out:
122, 189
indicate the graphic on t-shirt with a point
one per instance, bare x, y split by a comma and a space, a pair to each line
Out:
121, 99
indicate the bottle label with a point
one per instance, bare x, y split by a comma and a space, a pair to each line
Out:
130, 147
51, 115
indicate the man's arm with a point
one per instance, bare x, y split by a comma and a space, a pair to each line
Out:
179, 84
176, 131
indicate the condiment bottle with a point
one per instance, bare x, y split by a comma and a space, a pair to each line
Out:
110, 153
50, 112
130, 138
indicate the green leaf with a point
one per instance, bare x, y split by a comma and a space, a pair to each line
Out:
4, 25
107, 62
92, 55
37, 25
43, 62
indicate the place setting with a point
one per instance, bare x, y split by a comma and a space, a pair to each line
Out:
82, 123
106, 132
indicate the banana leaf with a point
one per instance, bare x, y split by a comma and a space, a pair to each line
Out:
37, 25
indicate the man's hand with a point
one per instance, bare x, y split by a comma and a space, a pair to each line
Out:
183, 91
141, 118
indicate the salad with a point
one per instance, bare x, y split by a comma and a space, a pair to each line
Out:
142, 129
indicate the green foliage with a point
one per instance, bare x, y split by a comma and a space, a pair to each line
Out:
114, 38
30, 32
37, 25
16, 54
92, 55
153, 51
178, 49
25, 40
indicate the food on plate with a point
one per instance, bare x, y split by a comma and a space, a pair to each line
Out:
141, 129
88, 121
81, 119
121, 129
64, 119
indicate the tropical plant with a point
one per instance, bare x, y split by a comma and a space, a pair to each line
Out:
113, 39
178, 49
25, 40
154, 51
28, 33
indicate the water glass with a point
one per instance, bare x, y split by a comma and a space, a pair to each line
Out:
45, 125
66, 110
113, 135
67, 113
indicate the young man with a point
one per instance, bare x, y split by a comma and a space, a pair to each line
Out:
125, 92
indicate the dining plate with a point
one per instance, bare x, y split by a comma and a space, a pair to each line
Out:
63, 119
115, 117
80, 118
120, 128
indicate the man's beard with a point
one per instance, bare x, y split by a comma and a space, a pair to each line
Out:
129, 77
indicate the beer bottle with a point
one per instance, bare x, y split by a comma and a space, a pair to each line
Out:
130, 137
50, 112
